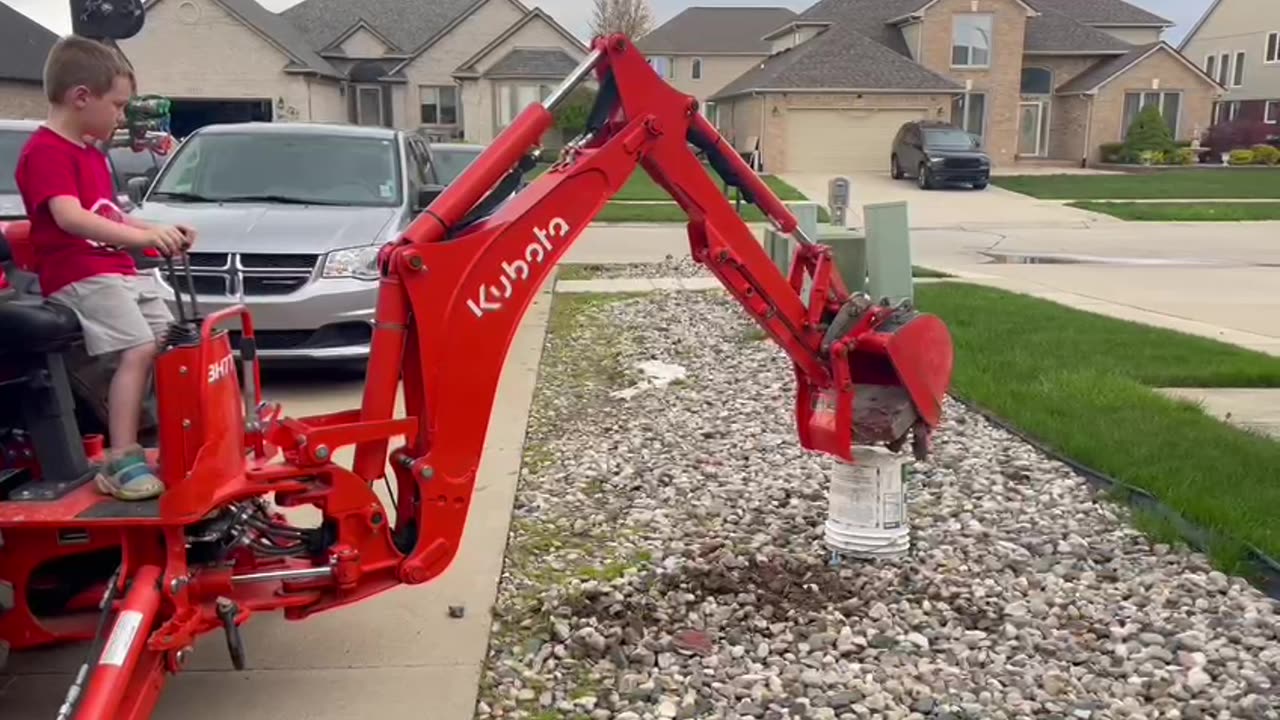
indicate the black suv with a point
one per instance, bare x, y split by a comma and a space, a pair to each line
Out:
936, 152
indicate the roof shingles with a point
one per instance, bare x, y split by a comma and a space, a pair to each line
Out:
861, 50
533, 63
24, 45
717, 30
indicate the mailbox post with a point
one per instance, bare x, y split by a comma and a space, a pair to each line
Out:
838, 190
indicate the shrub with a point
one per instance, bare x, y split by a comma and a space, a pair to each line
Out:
1112, 152
1237, 135
1266, 155
1241, 157
1185, 156
1149, 132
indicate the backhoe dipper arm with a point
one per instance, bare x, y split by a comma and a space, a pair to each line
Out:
455, 286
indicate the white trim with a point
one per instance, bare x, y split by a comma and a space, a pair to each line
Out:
1238, 59
837, 91
1089, 53
793, 26
1267, 116
1266, 47
696, 68
1031, 12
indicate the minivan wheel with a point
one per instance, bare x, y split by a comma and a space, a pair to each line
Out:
922, 178
895, 170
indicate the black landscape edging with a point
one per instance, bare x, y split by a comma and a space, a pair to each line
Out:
1265, 567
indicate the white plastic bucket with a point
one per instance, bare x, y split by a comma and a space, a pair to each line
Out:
867, 506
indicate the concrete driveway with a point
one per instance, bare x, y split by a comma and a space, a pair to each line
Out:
958, 206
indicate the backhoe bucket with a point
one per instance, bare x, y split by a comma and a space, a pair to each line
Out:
899, 372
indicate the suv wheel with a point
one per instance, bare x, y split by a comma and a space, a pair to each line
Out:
922, 178
895, 170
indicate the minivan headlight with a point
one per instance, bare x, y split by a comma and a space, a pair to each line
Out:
360, 263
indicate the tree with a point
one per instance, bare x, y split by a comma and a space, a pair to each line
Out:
632, 18
1149, 132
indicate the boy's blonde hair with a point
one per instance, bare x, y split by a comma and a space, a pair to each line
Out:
75, 61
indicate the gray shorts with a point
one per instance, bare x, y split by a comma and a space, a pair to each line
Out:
116, 312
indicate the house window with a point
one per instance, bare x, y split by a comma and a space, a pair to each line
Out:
969, 112
1037, 81
1211, 66
971, 41
1237, 79
1225, 111
1273, 47
696, 71
514, 98
1224, 68
1271, 115
1169, 104
663, 66
439, 105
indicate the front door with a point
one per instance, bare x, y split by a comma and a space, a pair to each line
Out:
1029, 127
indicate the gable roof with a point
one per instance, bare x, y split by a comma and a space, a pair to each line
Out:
711, 30
407, 24
468, 66
24, 46
1103, 13
1052, 33
533, 63
335, 47
1107, 70
835, 60
274, 29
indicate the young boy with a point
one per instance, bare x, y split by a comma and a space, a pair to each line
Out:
82, 242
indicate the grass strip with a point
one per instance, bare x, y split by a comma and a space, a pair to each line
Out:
1234, 183
1184, 212
1082, 384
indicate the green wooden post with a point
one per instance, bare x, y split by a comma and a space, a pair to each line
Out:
888, 252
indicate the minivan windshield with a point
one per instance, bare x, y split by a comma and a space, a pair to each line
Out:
450, 162
953, 139
279, 167
11, 142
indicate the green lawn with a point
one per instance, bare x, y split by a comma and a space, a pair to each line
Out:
1184, 212
1234, 183
1081, 384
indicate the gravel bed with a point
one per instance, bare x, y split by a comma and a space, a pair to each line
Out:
682, 267
666, 561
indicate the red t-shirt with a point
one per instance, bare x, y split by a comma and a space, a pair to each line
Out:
49, 166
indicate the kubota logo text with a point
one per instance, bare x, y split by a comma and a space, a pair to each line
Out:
490, 296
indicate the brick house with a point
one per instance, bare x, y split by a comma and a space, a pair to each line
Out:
1034, 79
24, 45
697, 56
1238, 43
453, 69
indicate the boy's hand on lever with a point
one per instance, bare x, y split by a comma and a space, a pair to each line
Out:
168, 239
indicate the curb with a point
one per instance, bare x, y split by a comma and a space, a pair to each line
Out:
1263, 566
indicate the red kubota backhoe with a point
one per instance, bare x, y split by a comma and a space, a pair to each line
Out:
140, 582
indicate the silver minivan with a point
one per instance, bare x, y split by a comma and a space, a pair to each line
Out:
290, 219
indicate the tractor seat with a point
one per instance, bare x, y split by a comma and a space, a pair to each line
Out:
28, 324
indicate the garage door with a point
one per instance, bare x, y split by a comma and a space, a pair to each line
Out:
843, 141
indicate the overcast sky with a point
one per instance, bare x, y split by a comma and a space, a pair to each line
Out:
575, 14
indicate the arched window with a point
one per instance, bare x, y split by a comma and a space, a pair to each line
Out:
1037, 81
697, 69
